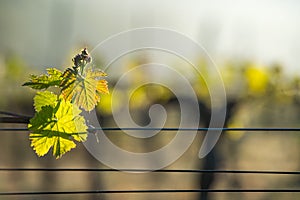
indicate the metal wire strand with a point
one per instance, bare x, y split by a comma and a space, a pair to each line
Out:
15, 118
171, 129
150, 191
156, 171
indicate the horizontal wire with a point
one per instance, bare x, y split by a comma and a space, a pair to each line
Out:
148, 191
146, 170
175, 129
14, 129
143, 170
20, 119
15, 120
14, 114
196, 129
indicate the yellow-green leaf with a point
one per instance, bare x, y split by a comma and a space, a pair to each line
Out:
43, 141
57, 126
44, 99
84, 89
52, 78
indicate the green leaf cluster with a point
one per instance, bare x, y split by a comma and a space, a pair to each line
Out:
57, 122
44, 81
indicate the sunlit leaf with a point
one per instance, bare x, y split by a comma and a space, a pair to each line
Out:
68, 78
102, 87
84, 89
56, 126
52, 78
44, 99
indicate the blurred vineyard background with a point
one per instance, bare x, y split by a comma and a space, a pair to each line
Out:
262, 91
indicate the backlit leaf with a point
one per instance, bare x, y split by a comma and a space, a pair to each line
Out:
84, 89
44, 99
52, 78
68, 78
57, 126
102, 87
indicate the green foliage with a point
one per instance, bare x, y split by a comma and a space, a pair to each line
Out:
57, 122
45, 98
53, 78
56, 125
85, 90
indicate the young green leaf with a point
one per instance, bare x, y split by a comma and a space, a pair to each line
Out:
56, 126
44, 98
52, 78
84, 90
57, 122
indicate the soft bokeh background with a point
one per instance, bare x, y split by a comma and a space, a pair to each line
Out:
255, 45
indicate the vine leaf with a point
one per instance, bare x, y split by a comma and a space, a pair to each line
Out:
52, 78
56, 125
44, 99
84, 89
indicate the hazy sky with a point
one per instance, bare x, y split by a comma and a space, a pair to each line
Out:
45, 32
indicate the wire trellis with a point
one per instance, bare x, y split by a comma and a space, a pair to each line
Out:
14, 118
156, 171
148, 191
257, 129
